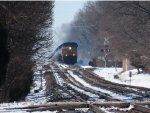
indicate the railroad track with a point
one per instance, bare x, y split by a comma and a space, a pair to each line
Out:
106, 96
69, 90
65, 83
69, 82
120, 88
58, 90
76, 98
60, 83
143, 89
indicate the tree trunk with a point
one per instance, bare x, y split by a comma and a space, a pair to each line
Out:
4, 55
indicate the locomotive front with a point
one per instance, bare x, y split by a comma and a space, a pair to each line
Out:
69, 53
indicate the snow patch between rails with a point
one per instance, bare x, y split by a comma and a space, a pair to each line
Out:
59, 80
114, 95
82, 91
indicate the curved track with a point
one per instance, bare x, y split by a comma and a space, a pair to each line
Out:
71, 83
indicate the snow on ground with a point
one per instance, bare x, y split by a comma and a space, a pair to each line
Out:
32, 98
59, 80
62, 65
107, 73
82, 91
116, 108
39, 97
114, 95
141, 80
86, 66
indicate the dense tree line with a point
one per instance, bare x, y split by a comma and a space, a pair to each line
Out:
124, 24
23, 33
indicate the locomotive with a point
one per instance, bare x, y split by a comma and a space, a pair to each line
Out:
69, 52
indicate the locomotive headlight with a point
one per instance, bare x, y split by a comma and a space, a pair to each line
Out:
74, 54
69, 48
66, 55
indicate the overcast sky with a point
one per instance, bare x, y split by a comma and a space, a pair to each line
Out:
64, 11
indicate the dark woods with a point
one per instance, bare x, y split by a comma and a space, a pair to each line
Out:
20, 27
123, 28
4, 55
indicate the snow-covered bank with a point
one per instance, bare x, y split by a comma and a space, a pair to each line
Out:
39, 96
31, 99
141, 80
